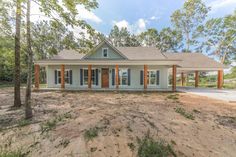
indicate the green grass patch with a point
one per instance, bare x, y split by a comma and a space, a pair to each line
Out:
51, 124
17, 153
23, 122
148, 147
182, 111
173, 96
91, 133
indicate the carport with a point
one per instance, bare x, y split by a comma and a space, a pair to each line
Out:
195, 63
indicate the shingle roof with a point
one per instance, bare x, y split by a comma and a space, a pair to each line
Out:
68, 54
142, 53
195, 60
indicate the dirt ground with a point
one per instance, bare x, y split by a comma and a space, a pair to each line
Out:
62, 119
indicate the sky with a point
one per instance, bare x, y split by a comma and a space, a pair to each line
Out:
139, 15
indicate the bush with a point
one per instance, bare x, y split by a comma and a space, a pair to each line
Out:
91, 133
148, 147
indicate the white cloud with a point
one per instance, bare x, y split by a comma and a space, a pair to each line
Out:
217, 4
88, 15
138, 27
121, 24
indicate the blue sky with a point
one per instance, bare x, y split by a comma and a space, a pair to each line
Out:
139, 15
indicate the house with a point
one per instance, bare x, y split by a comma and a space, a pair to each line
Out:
123, 68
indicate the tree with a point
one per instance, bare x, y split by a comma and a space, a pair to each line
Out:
149, 38
169, 40
28, 109
17, 98
188, 19
219, 37
122, 37
68, 12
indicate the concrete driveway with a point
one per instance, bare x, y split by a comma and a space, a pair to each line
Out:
226, 95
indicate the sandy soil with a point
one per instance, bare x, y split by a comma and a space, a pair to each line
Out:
120, 119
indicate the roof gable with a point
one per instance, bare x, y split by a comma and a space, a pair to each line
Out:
97, 52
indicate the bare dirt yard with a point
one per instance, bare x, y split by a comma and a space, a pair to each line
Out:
118, 124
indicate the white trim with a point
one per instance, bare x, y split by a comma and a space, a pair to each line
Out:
110, 62
64, 76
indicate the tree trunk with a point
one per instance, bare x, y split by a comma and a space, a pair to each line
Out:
223, 57
17, 99
28, 109
187, 42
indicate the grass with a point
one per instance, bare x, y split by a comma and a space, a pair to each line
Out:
91, 133
64, 143
17, 153
148, 147
23, 122
173, 96
51, 124
184, 113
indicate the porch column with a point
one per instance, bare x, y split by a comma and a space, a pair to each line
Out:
145, 76
174, 78
220, 79
196, 78
63, 76
36, 76
89, 76
182, 79
117, 76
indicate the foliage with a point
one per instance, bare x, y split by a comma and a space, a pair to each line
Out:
91, 133
184, 113
122, 37
149, 147
17, 153
188, 19
149, 38
219, 36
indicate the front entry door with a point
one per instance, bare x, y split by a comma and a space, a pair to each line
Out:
105, 78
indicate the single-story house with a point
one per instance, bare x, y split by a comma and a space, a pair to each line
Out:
123, 68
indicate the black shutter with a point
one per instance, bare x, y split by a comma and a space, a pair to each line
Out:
129, 77
113, 77
96, 76
71, 77
158, 77
55, 76
81, 77
141, 77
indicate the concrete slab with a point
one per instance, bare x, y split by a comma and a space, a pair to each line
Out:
220, 94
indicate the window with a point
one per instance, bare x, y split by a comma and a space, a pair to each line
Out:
105, 52
123, 76
67, 76
93, 76
152, 77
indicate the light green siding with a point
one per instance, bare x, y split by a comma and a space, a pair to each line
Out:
112, 54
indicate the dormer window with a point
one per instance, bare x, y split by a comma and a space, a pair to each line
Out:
105, 52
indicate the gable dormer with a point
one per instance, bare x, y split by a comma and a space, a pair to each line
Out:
104, 51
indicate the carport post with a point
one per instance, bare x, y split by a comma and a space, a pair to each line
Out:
36, 76
220, 79
196, 78
174, 78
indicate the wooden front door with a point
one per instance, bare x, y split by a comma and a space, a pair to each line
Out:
105, 78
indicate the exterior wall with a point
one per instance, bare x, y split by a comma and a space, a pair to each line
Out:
134, 77
99, 55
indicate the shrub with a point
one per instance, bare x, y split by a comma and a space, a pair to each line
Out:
91, 133
184, 113
148, 147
